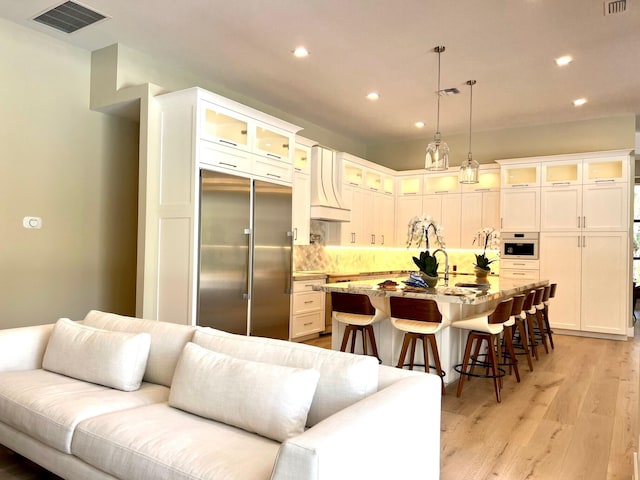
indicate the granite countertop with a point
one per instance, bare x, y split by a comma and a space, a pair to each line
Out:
496, 289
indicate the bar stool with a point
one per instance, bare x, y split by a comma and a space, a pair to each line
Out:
542, 295
420, 319
520, 331
545, 312
533, 331
509, 356
358, 315
484, 329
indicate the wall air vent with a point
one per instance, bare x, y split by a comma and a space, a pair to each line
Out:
615, 6
69, 17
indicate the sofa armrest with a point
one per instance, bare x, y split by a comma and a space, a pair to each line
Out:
23, 348
394, 433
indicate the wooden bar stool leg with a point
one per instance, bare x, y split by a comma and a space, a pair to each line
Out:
413, 351
547, 326
531, 336
542, 328
372, 339
465, 362
425, 353
353, 331
523, 338
403, 352
436, 358
476, 354
345, 338
508, 343
364, 340
494, 366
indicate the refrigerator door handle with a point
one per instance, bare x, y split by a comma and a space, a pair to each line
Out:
288, 289
246, 295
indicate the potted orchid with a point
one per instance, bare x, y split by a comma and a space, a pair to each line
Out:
489, 238
425, 229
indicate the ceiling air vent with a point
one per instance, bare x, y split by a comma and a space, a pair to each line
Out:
615, 6
69, 17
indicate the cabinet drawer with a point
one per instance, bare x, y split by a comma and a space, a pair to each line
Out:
306, 285
519, 264
307, 324
304, 302
225, 157
510, 274
273, 169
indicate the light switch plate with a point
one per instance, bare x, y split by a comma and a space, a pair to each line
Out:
32, 222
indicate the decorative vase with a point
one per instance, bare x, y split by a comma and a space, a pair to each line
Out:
429, 280
481, 274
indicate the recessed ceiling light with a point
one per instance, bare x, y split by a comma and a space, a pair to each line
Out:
373, 96
579, 102
565, 60
419, 124
301, 52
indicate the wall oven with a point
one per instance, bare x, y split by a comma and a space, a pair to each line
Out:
523, 246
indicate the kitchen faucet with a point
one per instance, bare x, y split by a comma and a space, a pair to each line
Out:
446, 265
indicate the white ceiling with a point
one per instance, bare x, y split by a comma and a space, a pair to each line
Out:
508, 46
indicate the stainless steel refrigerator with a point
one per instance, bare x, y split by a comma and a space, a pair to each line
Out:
245, 255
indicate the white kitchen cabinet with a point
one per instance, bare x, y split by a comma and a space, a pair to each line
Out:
407, 207
592, 271
445, 209
351, 232
488, 181
301, 195
588, 194
478, 210
519, 269
409, 184
520, 209
307, 309
519, 174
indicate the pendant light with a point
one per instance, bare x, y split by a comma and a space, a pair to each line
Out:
437, 157
469, 168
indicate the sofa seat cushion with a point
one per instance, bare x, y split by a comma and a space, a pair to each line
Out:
164, 443
270, 400
48, 406
167, 341
112, 359
345, 378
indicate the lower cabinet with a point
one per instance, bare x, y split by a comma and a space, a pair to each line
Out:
592, 273
307, 309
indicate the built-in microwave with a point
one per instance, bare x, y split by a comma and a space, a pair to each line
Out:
522, 245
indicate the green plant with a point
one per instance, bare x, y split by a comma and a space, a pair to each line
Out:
483, 262
427, 263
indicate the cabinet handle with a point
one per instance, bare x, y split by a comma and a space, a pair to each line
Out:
584, 241
354, 184
373, 239
520, 264
578, 222
578, 241
519, 273
410, 193
273, 155
482, 189
307, 324
228, 142
557, 184
501, 223
307, 302
353, 237
273, 175
516, 185
295, 233
584, 222
382, 240
310, 285
228, 164
607, 180
441, 191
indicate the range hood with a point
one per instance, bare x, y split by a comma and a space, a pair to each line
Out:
326, 201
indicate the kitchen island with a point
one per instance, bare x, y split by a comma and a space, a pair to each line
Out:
454, 302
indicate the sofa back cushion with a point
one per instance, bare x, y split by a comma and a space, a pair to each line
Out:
267, 399
167, 341
344, 378
112, 359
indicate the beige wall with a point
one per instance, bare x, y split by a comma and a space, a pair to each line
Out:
574, 137
75, 168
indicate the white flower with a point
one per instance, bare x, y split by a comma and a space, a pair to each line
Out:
424, 228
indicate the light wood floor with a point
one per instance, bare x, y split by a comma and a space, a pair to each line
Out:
575, 417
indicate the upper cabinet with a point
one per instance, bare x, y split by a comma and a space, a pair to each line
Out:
520, 175
224, 126
441, 182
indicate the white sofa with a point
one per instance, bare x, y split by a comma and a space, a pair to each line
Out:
186, 402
